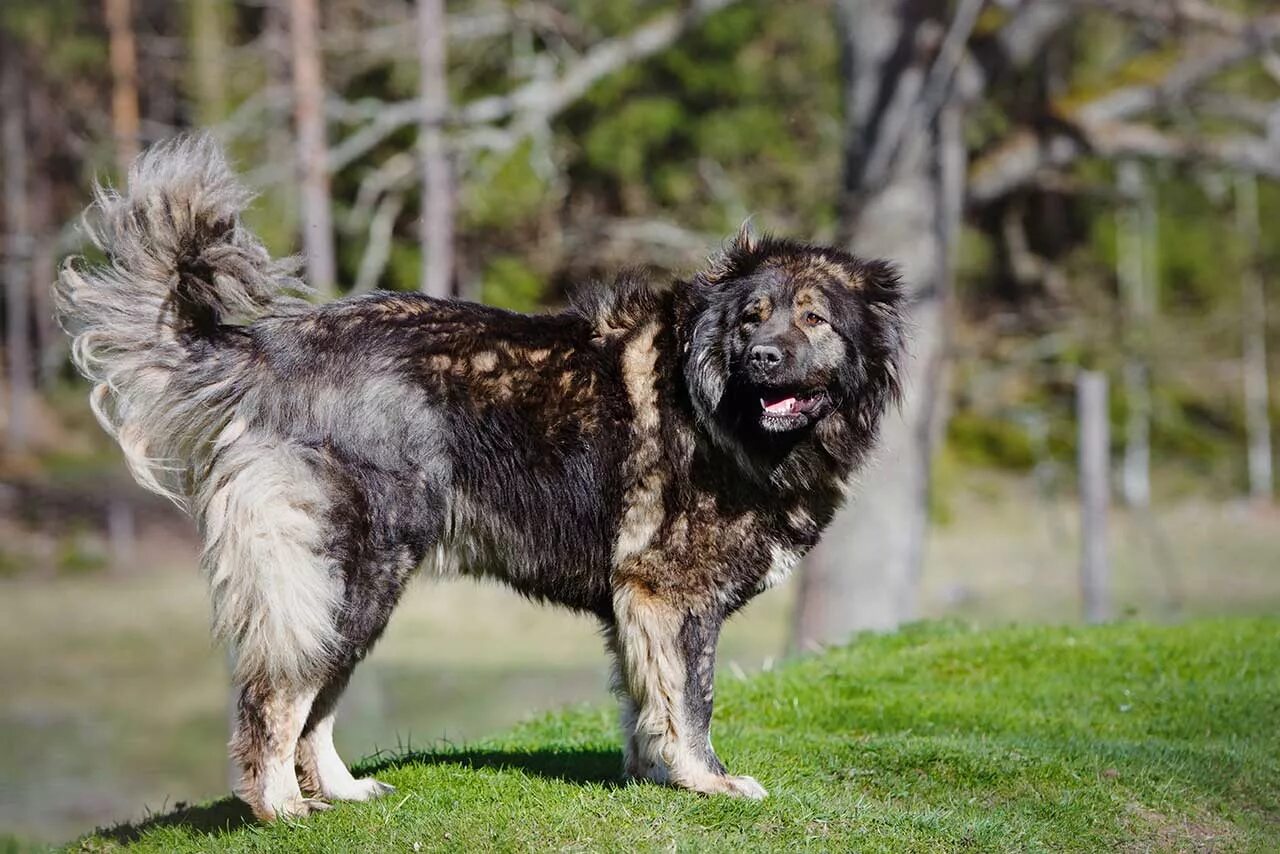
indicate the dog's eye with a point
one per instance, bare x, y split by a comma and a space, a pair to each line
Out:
811, 319
750, 319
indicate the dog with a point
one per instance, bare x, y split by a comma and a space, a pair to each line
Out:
651, 456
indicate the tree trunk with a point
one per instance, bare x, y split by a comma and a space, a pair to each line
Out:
208, 59
1136, 270
1253, 306
17, 279
124, 82
308, 94
1094, 469
437, 183
281, 204
902, 201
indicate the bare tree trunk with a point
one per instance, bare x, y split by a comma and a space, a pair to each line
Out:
17, 279
208, 59
437, 183
282, 202
903, 197
1094, 469
308, 93
124, 81
1253, 306
1136, 268
121, 534
49, 347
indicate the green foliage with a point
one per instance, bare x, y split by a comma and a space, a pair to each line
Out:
507, 191
938, 738
509, 283
79, 554
620, 143
997, 443
58, 32
11, 565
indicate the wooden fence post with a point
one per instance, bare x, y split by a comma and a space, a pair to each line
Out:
1094, 465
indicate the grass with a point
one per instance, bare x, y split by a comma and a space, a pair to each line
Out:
941, 737
113, 701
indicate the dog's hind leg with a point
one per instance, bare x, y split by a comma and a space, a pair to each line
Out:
276, 586
321, 770
666, 657
376, 575
269, 722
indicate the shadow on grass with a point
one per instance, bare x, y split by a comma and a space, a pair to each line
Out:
572, 765
578, 765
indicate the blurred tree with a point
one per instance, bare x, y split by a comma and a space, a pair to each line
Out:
208, 59
124, 82
1136, 264
917, 73
906, 94
309, 117
17, 243
437, 182
1253, 306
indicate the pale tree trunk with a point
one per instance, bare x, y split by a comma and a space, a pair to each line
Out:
124, 81
437, 183
17, 280
1136, 269
49, 347
1094, 447
282, 202
308, 94
1253, 306
208, 59
903, 197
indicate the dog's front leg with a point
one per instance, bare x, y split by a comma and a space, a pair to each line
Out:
666, 657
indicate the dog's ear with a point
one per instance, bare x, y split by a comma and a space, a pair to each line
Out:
879, 282
737, 257
886, 303
745, 241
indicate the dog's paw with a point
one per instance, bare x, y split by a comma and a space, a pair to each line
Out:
744, 787
295, 808
728, 784
364, 789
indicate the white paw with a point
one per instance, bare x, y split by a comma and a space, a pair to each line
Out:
365, 789
745, 787
296, 808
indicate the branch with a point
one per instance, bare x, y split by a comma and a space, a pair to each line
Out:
1128, 101
1031, 25
1178, 13
1100, 124
539, 100
1026, 158
378, 249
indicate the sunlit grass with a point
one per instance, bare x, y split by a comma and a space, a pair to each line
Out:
942, 738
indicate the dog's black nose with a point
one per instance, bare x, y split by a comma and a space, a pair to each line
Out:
765, 356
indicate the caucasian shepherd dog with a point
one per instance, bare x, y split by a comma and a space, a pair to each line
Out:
651, 456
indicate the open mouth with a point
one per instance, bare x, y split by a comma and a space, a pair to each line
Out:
787, 411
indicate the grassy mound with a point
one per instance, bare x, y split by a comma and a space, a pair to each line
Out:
1125, 737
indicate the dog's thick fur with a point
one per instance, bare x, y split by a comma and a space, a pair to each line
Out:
652, 457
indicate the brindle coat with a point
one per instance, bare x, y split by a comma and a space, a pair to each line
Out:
620, 458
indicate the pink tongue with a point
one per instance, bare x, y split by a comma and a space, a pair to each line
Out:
779, 407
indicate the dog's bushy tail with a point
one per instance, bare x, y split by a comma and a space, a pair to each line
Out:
152, 326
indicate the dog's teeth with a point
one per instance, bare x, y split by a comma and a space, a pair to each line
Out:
779, 407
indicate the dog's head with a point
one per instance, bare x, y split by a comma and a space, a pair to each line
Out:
784, 335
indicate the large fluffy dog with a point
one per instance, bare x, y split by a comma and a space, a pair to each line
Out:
652, 457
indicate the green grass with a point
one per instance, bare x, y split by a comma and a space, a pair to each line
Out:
941, 737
